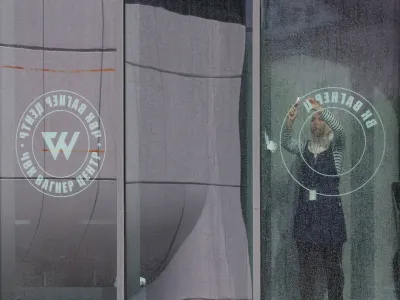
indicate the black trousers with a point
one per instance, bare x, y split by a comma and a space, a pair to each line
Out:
310, 258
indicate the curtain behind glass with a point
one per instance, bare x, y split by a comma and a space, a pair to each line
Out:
184, 66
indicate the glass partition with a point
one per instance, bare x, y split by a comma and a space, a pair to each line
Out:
58, 87
188, 150
330, 76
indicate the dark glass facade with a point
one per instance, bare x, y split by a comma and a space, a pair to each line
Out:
341, 241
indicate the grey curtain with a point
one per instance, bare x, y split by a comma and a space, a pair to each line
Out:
184, 66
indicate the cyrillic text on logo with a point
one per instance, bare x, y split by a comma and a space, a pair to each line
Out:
60, 143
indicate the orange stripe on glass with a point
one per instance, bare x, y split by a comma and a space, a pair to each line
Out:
58, 70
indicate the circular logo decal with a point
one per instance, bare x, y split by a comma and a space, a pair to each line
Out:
355, 154
60, 143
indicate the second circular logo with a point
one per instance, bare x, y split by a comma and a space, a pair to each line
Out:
355, 135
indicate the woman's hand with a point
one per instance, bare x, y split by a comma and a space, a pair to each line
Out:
292, 115
315, 104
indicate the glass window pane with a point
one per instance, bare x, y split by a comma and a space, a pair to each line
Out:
330, 220
58, 62
188, 155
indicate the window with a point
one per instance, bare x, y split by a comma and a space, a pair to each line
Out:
188, 150
328, 202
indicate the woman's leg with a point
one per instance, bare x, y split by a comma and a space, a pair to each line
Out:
307, 263
333, 265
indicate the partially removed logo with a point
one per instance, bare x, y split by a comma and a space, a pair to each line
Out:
76, 130
366, 138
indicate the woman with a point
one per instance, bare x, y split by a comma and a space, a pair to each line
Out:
319, 225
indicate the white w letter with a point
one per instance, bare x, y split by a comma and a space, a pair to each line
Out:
61, 145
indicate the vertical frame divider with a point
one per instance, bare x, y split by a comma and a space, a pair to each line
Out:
120, 113
256, 190
7, 187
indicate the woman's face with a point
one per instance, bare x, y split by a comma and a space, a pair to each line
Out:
318, 127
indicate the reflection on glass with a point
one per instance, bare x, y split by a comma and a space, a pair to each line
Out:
57, 247
330, 223
187, 158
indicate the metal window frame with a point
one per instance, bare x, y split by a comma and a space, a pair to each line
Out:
120, 108
256, 154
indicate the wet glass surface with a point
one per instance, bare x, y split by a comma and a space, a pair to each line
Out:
345, 55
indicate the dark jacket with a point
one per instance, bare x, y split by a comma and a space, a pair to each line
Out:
320, 221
